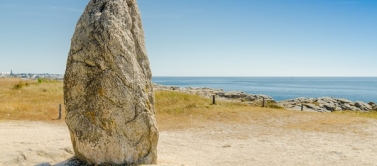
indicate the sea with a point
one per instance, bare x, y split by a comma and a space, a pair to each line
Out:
283, 88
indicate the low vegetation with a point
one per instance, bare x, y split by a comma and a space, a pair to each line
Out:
371, 114
183, 109
30, 100
179, 110
39, 100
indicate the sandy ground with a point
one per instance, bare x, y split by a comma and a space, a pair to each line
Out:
31, 143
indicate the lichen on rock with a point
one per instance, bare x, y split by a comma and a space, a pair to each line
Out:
108, 93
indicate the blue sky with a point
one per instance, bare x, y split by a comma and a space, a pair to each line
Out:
209, 37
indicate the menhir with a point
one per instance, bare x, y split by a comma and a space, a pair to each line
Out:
107, 87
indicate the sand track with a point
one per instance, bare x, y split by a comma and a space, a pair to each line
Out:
30, 143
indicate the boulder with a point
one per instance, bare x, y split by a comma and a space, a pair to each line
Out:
325, 104
108, 92
251, 97
363, 106
344, 101
329, 107
326, 100
304, 100
233, 95
346, 107
312, 107
221, 94
260, 96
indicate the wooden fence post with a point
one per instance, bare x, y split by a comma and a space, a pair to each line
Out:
302, 107
264, 101
213, 99
60, 111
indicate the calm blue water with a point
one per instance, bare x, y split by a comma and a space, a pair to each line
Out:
282, 88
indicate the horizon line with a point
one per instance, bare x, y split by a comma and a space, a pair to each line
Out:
260, 76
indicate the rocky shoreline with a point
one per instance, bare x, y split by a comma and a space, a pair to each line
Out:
322, 104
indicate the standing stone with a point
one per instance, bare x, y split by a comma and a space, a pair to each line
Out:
107, 87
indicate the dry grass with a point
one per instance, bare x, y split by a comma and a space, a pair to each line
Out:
178, 110
174, 110
30, 100
371, 114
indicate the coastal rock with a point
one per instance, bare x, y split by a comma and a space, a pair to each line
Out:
251, 97
344, 101
321, 104
305, 100
108, 92
373, 105
234, 95
325, 104
312, 107
346, 106
330, 107
220, 93
363, 106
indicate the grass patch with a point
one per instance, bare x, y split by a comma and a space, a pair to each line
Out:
371, 114
268, 104
30, 100
47, 80
20, 84
274, 105
174, 110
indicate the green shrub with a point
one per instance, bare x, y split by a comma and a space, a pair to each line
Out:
47, 80
275, 106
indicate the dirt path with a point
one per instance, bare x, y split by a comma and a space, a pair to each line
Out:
30, 143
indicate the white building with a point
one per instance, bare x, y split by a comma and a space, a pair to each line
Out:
4, 74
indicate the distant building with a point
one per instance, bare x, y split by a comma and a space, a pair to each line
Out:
31, 75
4, 74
